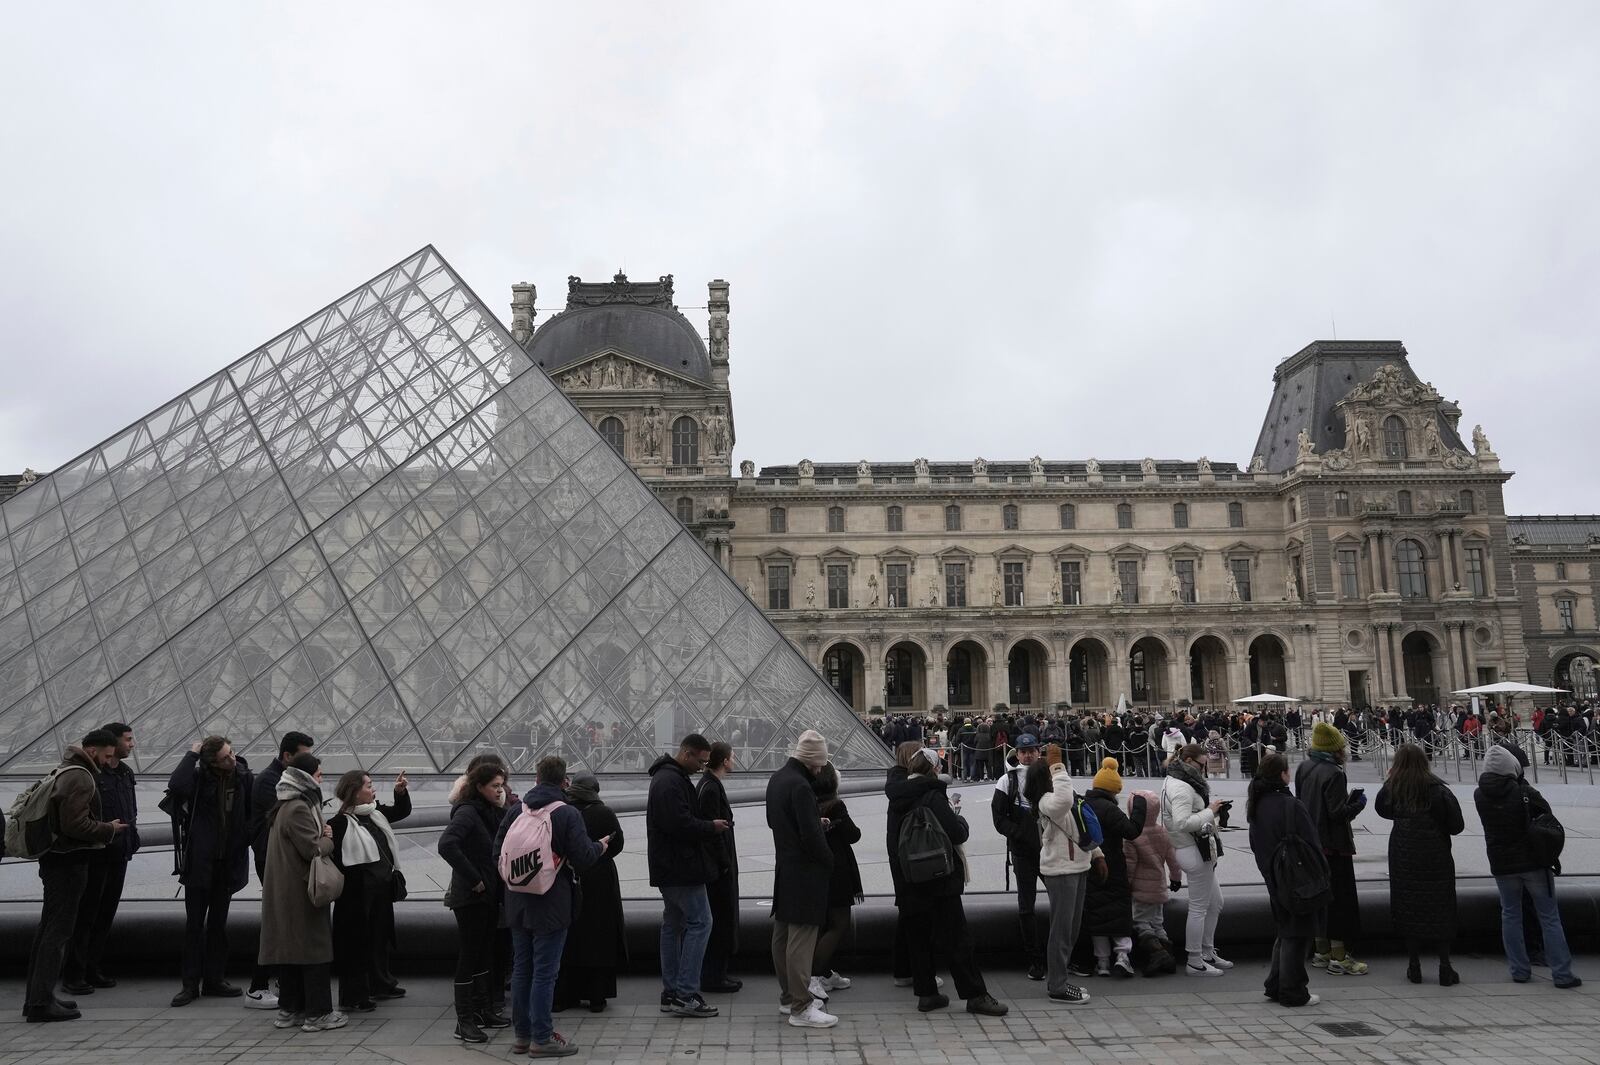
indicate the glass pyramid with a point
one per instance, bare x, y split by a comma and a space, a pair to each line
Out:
389, 529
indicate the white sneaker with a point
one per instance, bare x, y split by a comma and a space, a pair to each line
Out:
785, 1010
285, 1019
1201, 969
1313, 1000
260, 1000
813, 1017
325, 1022
834, 982
1219, 961
818, 991
1102, 967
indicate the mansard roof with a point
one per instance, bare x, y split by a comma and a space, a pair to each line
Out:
635, 318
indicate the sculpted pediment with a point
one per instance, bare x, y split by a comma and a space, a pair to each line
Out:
615, 372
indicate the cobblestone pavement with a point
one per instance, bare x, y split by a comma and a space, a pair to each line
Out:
1487, 1019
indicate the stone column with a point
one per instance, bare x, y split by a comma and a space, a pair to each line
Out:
1377, 662
1375, 560
1394, 665
1060, 682
999, 675
1238, 668
1469, 654
1450, 628
875, 678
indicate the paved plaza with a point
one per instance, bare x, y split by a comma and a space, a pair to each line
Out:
1487, 1019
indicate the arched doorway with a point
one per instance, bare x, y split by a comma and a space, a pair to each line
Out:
1208, 671
1028, 673
1576, 673
845, 669
1418, 651
904, 683
1147, 671
1269, 670
1089, 673
966, 672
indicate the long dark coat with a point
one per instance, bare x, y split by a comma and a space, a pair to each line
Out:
1422, 871
596, 948
722, 892
800, 847
294, 932
844, 883
1269, 825
216, 843
1108, 903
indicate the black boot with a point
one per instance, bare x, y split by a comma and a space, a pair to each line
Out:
467, 1029
1030, 946
486, 1010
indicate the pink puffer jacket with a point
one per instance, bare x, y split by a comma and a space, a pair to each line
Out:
1152, 861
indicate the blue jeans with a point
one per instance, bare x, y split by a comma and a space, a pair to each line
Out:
685, 931
1541, 887
535, 964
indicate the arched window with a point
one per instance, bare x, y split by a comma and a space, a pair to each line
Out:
1180, 515
1235, 515
896, 520
777, 520
952, 518
1394, 437
1404, 500
1008, 516
1468, 501
835, 519
685, 509
612, 432
1069, 516
1413, 571
685, 442
1341, 504
1124, 515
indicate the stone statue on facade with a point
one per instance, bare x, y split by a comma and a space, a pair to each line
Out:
1480, 442
649, 382
717, 431
872, 589
1432, 445
1291, 588
1036, 465
920, 467
1204, 465
807, 468
811, 594
1148, 467
1357, 433
863, 470
980, 467
933, 591
747, 468
1174, 586
1092, 468
1055, 591
608, 375
1305, 449
995, 595
29, 476
749, 593
1116, 592
1231, 583
1258, 464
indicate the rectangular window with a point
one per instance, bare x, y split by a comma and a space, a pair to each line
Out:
897, 521
1072, 583
838, 587
1349, 573
835, 519
1013, 583
955, 584
1476, 584
1128, 578
1240, 568
1564, 612
1184, 568
894, 582
777, 587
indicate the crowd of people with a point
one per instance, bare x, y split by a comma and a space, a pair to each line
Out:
537, 901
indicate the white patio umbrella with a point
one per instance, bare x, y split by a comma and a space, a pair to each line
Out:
1267, 697
1511, 687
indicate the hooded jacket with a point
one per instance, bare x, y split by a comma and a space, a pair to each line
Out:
906, 791
675, 834
1505, 805
1152, 859
569, 838
1059, 853
1185, 809
75, 813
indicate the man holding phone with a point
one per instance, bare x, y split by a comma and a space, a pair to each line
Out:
1320, 783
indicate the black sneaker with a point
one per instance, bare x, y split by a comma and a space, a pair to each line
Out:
1073, 995
1080, 970
1036, 971
692, 1006
669, 1001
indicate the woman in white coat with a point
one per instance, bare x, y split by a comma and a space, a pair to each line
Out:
1188, 813
1064, 866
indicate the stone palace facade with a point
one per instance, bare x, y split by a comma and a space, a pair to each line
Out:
1361, 555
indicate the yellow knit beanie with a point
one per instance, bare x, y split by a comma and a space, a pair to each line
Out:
1326, 738
1108, 779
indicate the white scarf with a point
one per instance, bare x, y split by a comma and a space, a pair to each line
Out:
359, 847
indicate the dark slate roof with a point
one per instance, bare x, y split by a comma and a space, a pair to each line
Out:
1307, 384
1000, 469
1554, 530
635, 318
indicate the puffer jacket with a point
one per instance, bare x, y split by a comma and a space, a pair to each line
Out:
1152, 859
1505, 806
1059, 853
1185, 813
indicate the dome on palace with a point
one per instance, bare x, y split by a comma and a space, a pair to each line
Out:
635, 318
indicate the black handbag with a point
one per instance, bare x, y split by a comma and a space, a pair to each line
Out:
397, 886
1546, 836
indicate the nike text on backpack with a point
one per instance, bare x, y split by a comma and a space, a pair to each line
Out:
29, 833
925, 851
528, 861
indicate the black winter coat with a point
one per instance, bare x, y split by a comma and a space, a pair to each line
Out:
1422, 871
118, 799
803, 858
906, 791
467, 844
263, 797
1017, 823
1322, 786
596, 939
844, 882
1505, 806
214, 846
1268, 827
1108, 903
711, 803
675, 835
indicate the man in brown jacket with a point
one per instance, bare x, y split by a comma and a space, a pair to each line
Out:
64, 869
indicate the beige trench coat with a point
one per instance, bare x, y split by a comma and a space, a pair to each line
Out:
294, 932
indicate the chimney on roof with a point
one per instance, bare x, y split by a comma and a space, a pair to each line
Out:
522, 311
717, 304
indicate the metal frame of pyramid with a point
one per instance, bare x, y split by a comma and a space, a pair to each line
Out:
389, 529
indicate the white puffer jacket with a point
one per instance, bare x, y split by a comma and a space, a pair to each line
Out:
1184, 814
1059, 853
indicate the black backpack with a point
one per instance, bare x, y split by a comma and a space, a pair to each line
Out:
1546, 836
1300, 872
926, 854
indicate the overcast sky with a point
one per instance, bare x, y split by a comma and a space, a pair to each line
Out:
951, 230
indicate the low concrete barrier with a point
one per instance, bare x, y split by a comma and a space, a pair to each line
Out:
148, 934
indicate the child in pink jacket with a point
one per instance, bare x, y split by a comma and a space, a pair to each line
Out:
1153, 872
